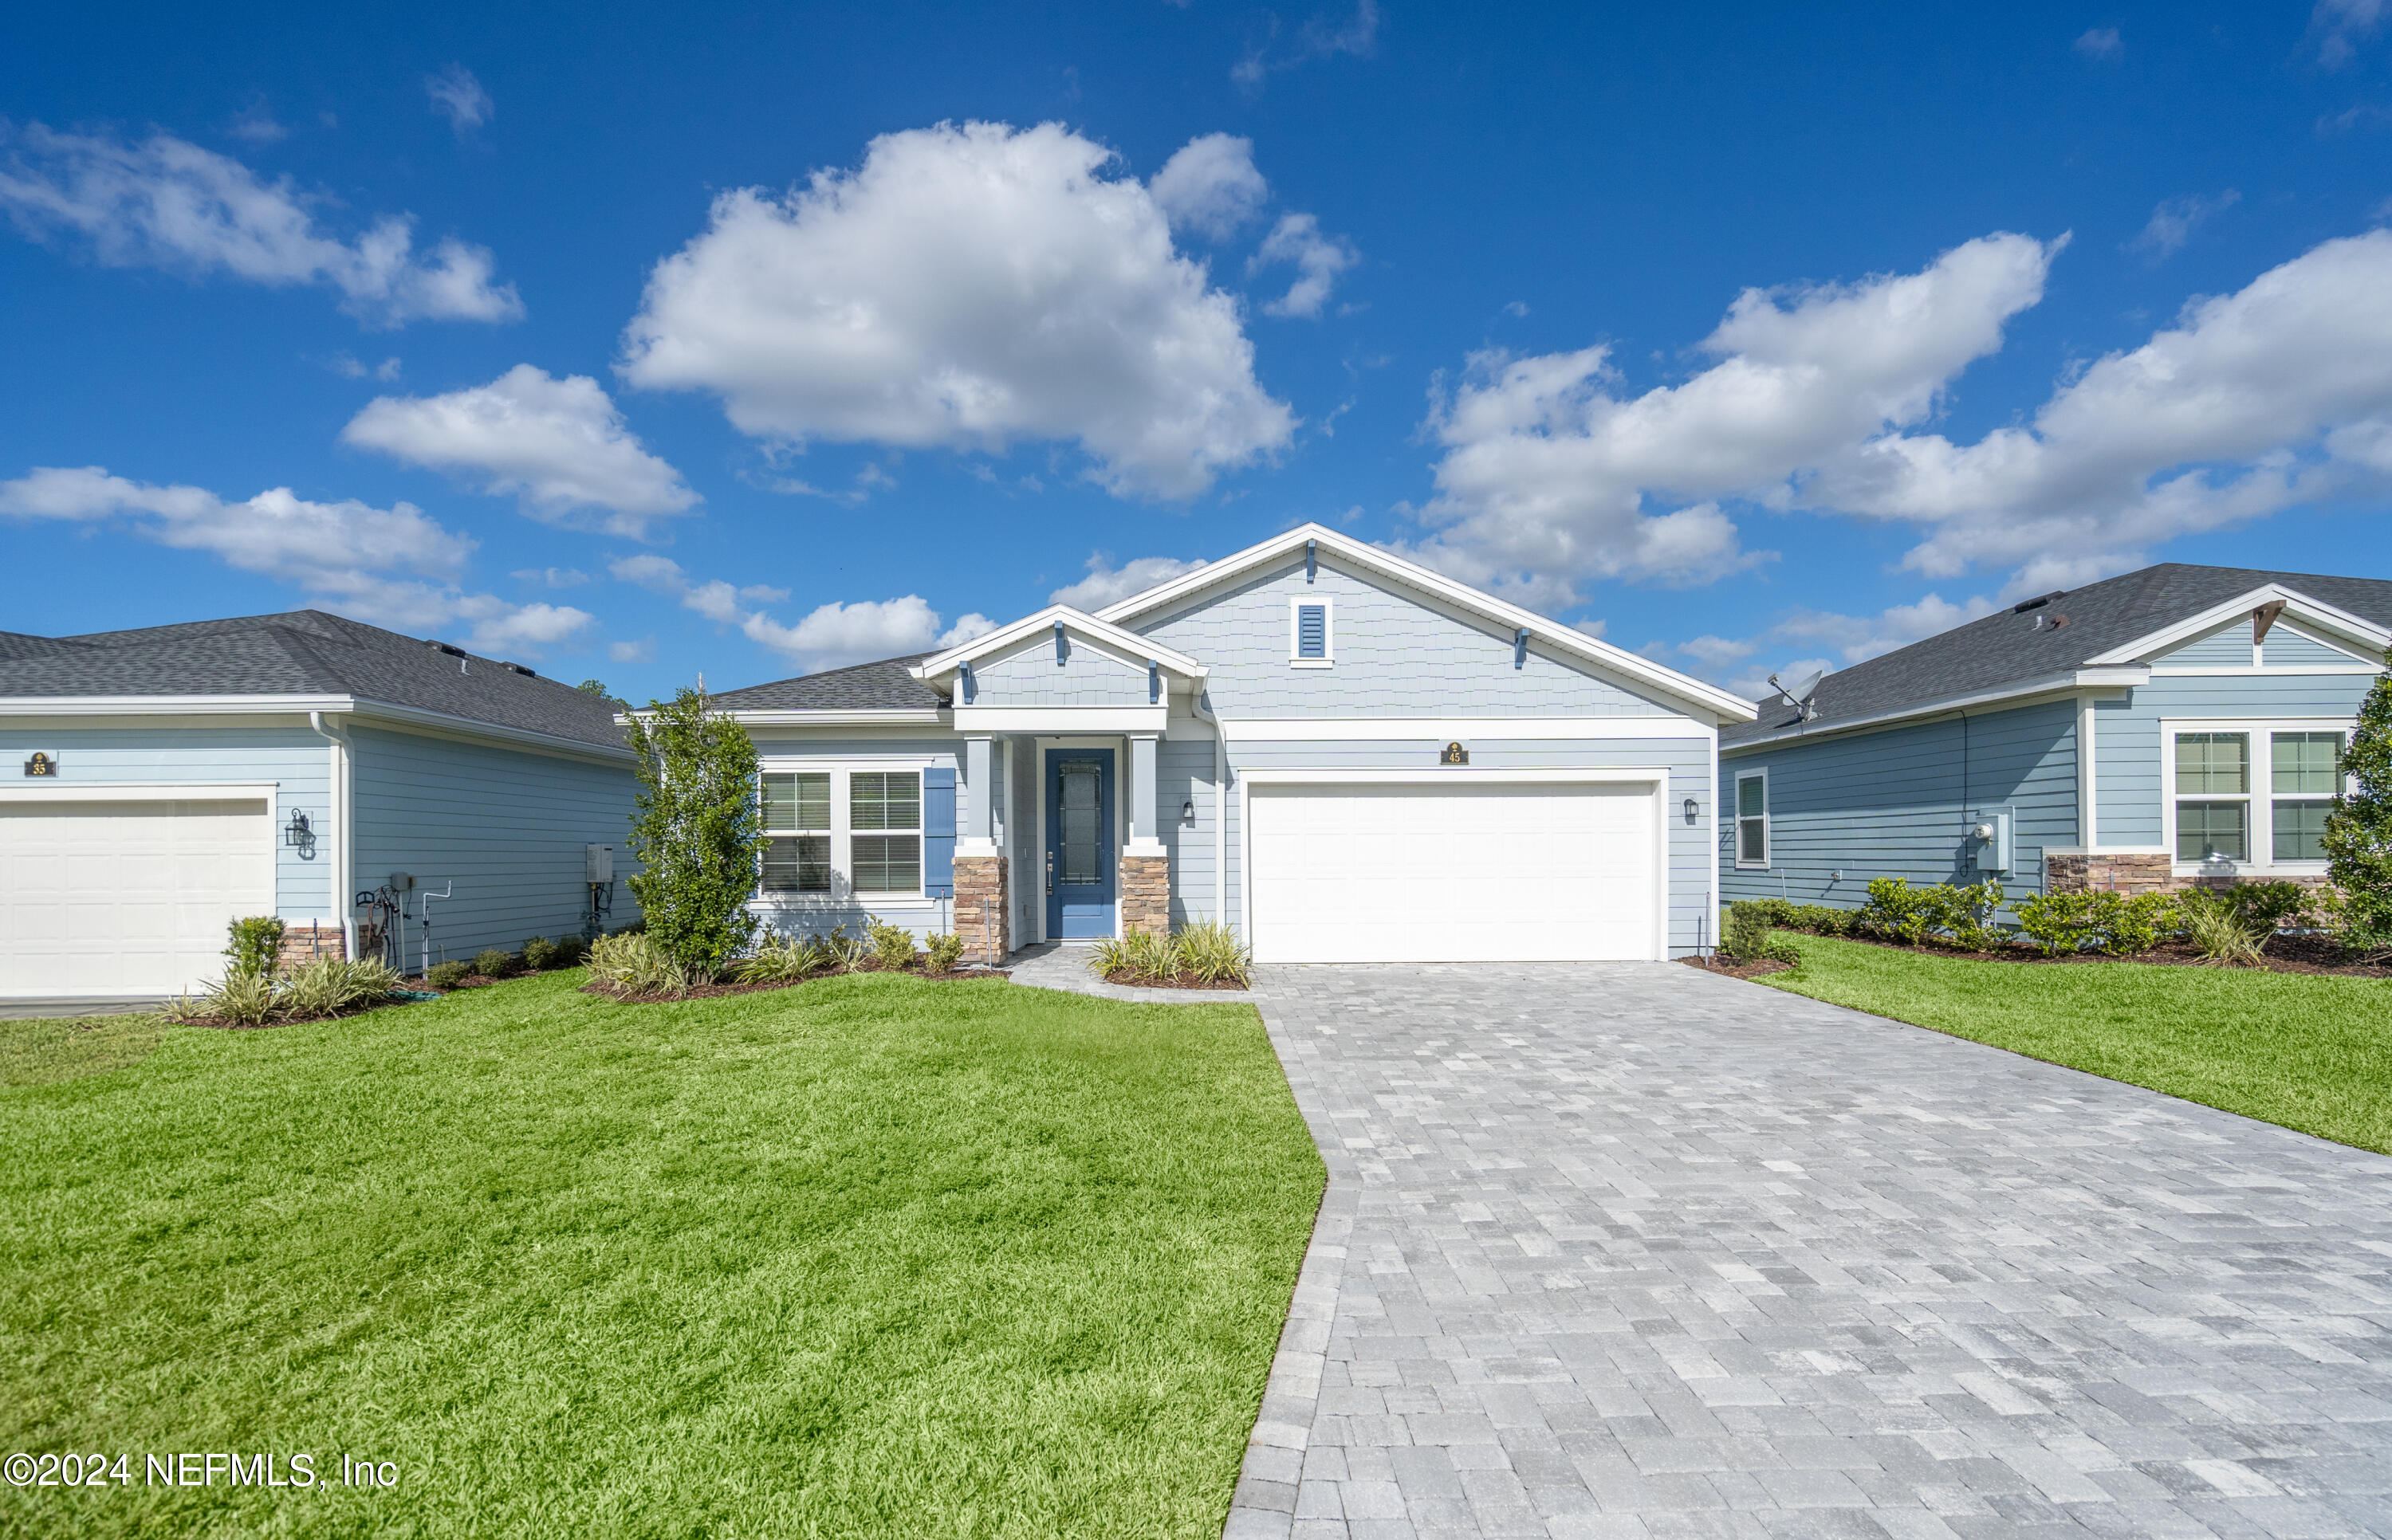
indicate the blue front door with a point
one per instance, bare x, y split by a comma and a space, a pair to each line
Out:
1079, 843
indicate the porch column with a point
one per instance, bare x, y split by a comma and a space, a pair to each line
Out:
1145, 864
981, 899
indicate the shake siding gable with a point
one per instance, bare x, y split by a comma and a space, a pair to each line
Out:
1898, 803
1028, 674
1397, 654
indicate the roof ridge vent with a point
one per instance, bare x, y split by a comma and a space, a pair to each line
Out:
439, 646
2025, 604
523, 671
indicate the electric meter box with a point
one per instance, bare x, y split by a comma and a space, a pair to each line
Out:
597, 863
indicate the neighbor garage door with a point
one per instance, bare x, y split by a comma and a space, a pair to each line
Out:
126, 899
1462, 872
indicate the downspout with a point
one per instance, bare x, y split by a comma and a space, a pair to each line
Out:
1197, 707
340, 831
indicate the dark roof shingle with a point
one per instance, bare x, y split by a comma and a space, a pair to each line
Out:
2007, 647
883, 685
304, 652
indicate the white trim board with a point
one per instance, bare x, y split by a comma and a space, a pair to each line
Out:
2026, 692
139, 791
1092, 628
1657, 777
1464, 729
1064, 720
2315, 612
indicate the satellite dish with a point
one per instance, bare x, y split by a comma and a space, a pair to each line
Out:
1797, 694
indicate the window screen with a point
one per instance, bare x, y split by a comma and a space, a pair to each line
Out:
1752, 820
884, 816
796, 818
1312, 630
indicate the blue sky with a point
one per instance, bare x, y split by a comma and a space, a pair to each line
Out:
633, 342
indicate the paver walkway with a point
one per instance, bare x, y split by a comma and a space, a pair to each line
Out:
1631, 1249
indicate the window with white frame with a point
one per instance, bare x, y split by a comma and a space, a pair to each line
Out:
842, 831
796, 824
1752, 818
884, 812
1311, 633
2255, 795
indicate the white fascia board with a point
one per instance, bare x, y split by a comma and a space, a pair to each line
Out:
1592, 776
441, 724
898, 716
170, 705
2021, 693
137, 791
1292, 730
2296, 605
1726, 706
1088, 625
1062, 720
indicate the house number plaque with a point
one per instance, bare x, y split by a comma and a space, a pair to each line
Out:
41, 764
1454, 754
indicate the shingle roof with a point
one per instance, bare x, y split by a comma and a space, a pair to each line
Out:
304, 652
880, 686
2006, 648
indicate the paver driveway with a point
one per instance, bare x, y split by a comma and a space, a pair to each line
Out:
1632, 1249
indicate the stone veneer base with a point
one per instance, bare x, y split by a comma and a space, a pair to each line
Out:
1146, 895
982, 912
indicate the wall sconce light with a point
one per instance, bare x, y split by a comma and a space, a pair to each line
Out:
299, 833
1693, 810
1187, 811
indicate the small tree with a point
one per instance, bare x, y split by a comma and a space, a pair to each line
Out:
2359, 830
697, 831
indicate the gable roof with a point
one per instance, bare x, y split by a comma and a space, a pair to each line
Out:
1088, 625
1728, 705
307, 655
2109, 624
887, 684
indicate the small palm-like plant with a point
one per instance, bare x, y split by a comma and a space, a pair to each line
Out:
331, 985
845, 952
2222, 937
632, 963
241, 998
784, 960
1211, 953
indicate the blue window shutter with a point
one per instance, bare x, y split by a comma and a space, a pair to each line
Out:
1312, 630
938, 832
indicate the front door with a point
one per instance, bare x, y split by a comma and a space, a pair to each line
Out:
1079, 843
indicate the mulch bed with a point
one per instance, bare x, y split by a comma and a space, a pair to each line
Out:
712, 992
1738, 970
1182, 981
2282, 954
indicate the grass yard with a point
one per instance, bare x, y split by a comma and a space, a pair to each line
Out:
2307, 1051
870, 1256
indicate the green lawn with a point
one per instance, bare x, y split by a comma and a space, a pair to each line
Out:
2307, 1051
871, 1256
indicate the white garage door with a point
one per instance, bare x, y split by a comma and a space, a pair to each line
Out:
126, 899
1462, 872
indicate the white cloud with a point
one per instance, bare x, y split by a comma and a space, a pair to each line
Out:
2252, 402
168, 203
2339, 24
1106, 585
1551, 477
964, 287
2173, 221
346, 365
552, 577
641, 651
1319, 39
391, 566
558, 444
1210, 185
255, 125
2100, 43
459, 98
831, 636
1318, 259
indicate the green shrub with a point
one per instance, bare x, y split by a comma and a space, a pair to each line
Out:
243, 998
1211, 953
892, 946
845, 952
698, 832
448, 976
635, 964
490, 963
331, 985
1137, 958
540, 954
254, 945
2359, 830
2265, 907
940, 953
1898, 910
784, 960
2219, 933
570, 951
1745, 936
2098, 922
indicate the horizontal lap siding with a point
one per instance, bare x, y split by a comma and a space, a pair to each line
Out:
2286, 648
503, 828
1183, 773
2131, 765
293, 760
1686, 760
2228, 647
1395, 655
1898, 804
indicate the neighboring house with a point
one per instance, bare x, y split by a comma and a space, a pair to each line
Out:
161, 782
1344, 756
2176, 724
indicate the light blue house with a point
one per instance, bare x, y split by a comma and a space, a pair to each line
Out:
161, 782
2175, 724
1341, 755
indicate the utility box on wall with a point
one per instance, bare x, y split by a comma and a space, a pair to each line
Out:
1989, 838
597, 863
